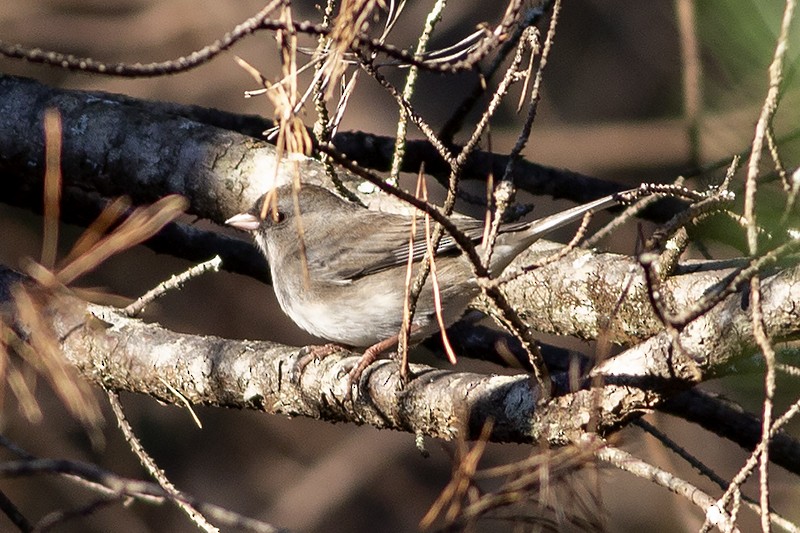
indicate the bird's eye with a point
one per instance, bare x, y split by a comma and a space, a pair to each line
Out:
275, 216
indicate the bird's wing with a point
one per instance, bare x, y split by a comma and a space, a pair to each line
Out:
389, 246
385, 245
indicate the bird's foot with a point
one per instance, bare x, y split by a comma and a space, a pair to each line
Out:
370, 356
313, 353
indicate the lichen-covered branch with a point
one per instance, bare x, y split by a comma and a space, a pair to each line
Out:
127, 354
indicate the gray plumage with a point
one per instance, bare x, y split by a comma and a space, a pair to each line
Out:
353, 290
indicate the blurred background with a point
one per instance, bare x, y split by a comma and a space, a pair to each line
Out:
613, 107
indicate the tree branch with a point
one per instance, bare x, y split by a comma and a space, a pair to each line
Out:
116, 144
127, 354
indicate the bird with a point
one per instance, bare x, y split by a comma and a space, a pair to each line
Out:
339, 270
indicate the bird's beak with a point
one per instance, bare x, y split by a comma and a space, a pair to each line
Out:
244, 222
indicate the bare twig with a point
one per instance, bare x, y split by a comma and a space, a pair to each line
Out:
144, 458
714, 513
174, 282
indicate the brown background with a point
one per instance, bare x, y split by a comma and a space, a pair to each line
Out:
611, 108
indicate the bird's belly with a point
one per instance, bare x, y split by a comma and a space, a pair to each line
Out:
368, 315
352, 321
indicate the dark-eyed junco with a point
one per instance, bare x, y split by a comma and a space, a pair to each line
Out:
351, 287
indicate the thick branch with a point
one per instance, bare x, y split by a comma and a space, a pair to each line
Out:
728, 419
115, 144
128, 354
587, 294
116, 147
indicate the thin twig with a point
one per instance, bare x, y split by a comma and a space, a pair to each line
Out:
144, 458
173, 283
701, 467
714, 513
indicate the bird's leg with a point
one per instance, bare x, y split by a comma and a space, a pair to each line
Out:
369, 357
315, 353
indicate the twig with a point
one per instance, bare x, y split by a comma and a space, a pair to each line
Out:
695, 463
174, 282
148, 462
714, 513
